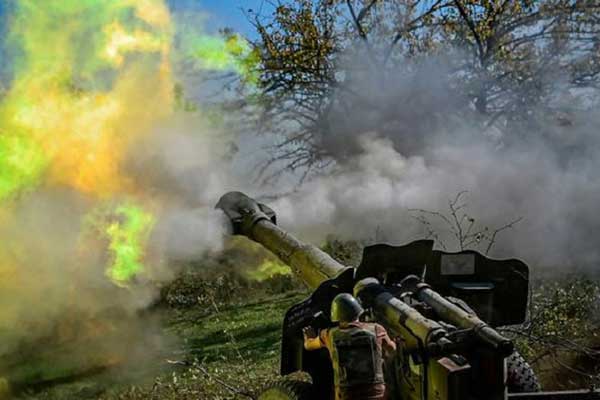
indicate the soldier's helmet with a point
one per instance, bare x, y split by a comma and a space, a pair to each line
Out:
345, 308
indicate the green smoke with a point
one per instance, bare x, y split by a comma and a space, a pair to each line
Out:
22, 162
230, 53
127, 229
127, 242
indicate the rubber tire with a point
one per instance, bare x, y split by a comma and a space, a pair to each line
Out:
521, 378
286, 389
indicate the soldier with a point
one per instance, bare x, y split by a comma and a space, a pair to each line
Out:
356, 350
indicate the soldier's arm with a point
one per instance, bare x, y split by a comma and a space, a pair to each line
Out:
389, 346
312, 340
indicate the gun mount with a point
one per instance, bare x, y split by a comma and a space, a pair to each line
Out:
442, 308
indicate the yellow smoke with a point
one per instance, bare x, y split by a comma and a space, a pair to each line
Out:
90, 79
90, 82
268, 269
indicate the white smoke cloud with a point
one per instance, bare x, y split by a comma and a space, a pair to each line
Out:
548, 176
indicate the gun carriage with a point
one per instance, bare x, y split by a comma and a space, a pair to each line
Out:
442, 309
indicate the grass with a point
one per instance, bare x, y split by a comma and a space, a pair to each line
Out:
247, 332
233, 345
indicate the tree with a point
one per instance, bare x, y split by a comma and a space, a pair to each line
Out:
330, 68
306, 64
517, 51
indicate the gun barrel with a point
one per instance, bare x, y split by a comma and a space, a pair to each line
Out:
309, 262
258, 222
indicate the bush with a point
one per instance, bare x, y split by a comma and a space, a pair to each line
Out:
560, 338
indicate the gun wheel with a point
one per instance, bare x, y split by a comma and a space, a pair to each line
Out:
521, 378
286, 389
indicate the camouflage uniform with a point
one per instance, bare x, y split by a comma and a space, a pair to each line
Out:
356, 351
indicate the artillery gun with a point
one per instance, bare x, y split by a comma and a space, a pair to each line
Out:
441, 308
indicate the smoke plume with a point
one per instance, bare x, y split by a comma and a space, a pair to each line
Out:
104, 180
411, 141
